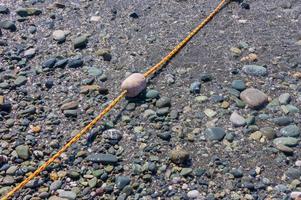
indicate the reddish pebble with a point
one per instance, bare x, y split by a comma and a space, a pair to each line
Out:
134, 84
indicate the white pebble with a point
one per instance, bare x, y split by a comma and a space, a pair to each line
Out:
193, 194
298, 163
296, 195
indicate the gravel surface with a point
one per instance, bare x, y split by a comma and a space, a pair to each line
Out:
220, 121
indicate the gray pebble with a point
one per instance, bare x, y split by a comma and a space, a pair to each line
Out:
215, 133
255, 70
290, 131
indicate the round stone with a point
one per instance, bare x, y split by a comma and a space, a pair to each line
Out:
238, 85
179, 156
23, 152
193, 194
134, 84
59, 35
254, 98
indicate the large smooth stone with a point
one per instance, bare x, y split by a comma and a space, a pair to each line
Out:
134, 84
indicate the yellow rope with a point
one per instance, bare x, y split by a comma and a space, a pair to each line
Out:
87, 128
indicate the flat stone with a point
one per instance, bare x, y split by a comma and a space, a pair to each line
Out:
61, 63
95, 71
215, 133
56, 198
282, 121
93, 88
70, 195
290, 131
49, 63
287, 141
8, 25
122, 181
284, 149
70, 105
186, 171
25, 12
210, 113
103, 158
23, 152
70, 113
95, 18
29, 53
237, 120
254, 70
254, 98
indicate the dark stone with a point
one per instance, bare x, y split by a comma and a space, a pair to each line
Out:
282, 121
195, 87
103, 158
4, 10
122, 181
164, 135
134, 15
8, 25
245, 6
49, 84
49, 63
61, 63
237, 173
75, 63
215, 133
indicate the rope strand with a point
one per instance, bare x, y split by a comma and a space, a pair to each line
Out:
87, 128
